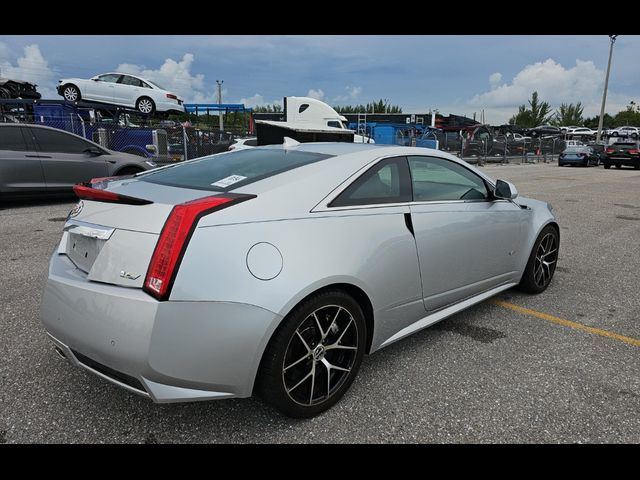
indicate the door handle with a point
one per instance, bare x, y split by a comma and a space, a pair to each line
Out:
111, 161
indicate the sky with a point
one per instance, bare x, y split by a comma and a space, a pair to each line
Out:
459, 74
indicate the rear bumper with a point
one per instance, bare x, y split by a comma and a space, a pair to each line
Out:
167, 351
626, 161
169, 105
572, 161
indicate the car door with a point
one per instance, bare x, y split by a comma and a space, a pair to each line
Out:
65, 160
467, 242
128, 90
20, 165
376, 216
101, 88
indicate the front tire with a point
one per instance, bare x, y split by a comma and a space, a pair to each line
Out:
542, 262
314, 355
71, 93
607, 166
145, 106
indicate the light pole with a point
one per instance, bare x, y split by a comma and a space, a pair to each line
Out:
612, 38
220, 82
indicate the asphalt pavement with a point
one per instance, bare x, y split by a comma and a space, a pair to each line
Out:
490, 374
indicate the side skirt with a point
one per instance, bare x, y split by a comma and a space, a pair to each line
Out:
444, 313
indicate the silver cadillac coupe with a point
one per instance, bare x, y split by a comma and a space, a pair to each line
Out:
275, 269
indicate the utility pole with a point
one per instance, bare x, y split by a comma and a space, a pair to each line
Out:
220, 82
612, 38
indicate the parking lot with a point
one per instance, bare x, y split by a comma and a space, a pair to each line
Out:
563, 366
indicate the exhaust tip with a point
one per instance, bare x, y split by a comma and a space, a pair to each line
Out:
60, 352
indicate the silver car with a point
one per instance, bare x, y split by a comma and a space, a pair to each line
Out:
36, 160
275, 269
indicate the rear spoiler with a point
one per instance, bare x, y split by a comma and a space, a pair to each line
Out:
95, 190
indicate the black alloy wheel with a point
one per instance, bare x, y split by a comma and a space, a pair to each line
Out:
314, 355
542, 262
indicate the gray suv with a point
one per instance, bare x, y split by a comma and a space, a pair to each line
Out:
36, 160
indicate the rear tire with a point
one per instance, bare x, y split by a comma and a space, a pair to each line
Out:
618, 165
145, 105
607, 166
309, 364
542, 262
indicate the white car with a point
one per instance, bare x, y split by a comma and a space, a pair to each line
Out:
121, 89
625, 131
581, 131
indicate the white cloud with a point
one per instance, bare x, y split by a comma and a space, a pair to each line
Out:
352, 94
31, 67
553, 82
176, 76
317, 94
495, 79
258, 100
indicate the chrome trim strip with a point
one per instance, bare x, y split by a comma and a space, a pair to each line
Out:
88, 229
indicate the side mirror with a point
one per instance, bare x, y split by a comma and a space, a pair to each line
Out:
95, 79
151, 148
505, 190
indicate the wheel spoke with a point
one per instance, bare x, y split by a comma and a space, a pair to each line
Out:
550, 252
305, 356
342, 347
332, 323
301, 381
331, 366
303, 342
319, 326
344, 331
313, 383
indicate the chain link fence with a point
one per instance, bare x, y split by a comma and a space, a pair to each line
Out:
164, 141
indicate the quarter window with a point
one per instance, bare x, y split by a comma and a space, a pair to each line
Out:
437, 179
385, 182
132, 81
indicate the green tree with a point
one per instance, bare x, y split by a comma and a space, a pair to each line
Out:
629, 116
569, 114
538, 113
381, 106
273, 108
592, 122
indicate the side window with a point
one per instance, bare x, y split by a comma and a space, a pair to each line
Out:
145, 84
127, 80
386, 182
334, 123
58, 142
11, 139
109, 78
437, 179
303, 107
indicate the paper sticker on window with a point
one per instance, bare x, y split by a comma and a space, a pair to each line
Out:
230, 180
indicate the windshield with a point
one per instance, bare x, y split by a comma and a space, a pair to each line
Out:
227, 171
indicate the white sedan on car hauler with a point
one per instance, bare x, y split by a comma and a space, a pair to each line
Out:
121, 89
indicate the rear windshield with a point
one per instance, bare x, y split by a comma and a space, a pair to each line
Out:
576, 149
221, 173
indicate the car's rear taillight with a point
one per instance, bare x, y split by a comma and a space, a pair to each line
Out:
610, 150
172, 96
88, 192
634, 151
174, 238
